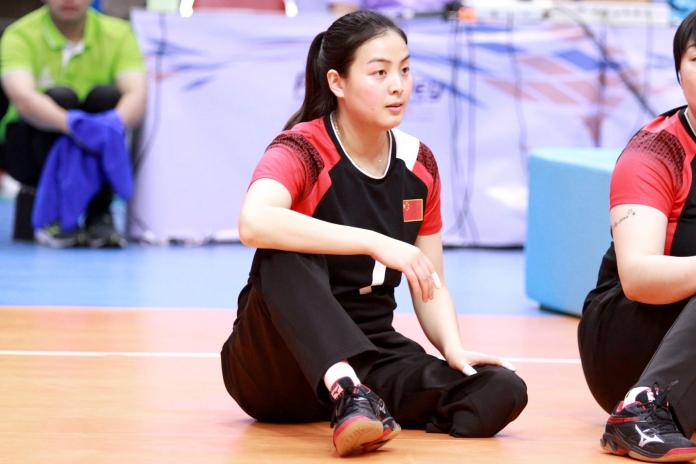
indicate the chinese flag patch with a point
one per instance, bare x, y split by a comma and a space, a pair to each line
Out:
413, 210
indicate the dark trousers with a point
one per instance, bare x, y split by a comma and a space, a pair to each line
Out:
27, 147
625, 344
290, 329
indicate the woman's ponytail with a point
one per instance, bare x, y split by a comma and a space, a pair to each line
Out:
318, 99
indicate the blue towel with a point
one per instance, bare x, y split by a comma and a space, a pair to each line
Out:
77, 166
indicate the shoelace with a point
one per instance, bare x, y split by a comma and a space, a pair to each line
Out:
657, 411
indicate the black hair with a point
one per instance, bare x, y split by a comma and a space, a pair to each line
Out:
686, 33
335, 49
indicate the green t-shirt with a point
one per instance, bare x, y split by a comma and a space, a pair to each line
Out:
33, 43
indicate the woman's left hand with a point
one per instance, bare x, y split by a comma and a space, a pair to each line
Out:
464, 360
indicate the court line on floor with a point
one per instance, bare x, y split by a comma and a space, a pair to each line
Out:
169, 354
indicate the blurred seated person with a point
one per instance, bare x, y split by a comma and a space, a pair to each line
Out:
389, 7
61, 65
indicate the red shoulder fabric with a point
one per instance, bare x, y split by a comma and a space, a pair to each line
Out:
649, 172
426, 169
291, 160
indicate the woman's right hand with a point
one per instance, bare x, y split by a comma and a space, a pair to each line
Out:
408, 259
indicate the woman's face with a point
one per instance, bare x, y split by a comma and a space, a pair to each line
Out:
378, 84
687, 73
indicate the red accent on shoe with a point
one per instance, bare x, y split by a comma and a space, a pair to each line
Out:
622, 420
680, 451
620, 406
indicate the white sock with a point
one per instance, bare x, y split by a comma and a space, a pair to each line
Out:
338, 371
634, 392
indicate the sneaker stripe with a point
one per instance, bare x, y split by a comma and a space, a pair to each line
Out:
622, 420
680, 451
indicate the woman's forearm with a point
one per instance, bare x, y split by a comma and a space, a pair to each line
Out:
658, 279
438, 319
283, 229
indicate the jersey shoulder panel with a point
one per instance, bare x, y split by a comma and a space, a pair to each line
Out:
307, 154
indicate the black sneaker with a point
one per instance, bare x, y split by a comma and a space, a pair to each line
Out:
101, 233
52, 236
361, 421
645, 430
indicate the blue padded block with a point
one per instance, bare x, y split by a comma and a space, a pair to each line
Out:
568, 228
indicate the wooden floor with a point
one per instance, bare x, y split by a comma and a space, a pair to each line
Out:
144, 386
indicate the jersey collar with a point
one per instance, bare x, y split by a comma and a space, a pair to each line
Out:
681, 114
328, 125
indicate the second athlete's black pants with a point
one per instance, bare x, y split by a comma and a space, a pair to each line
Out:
290, 329
27, 147
625, 344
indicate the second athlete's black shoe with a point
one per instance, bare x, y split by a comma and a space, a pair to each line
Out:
361, 421
646, 430
101, 232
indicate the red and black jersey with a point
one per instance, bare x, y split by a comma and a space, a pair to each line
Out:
656, 169
325, 183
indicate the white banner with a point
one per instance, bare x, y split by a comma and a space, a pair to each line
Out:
223, 84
